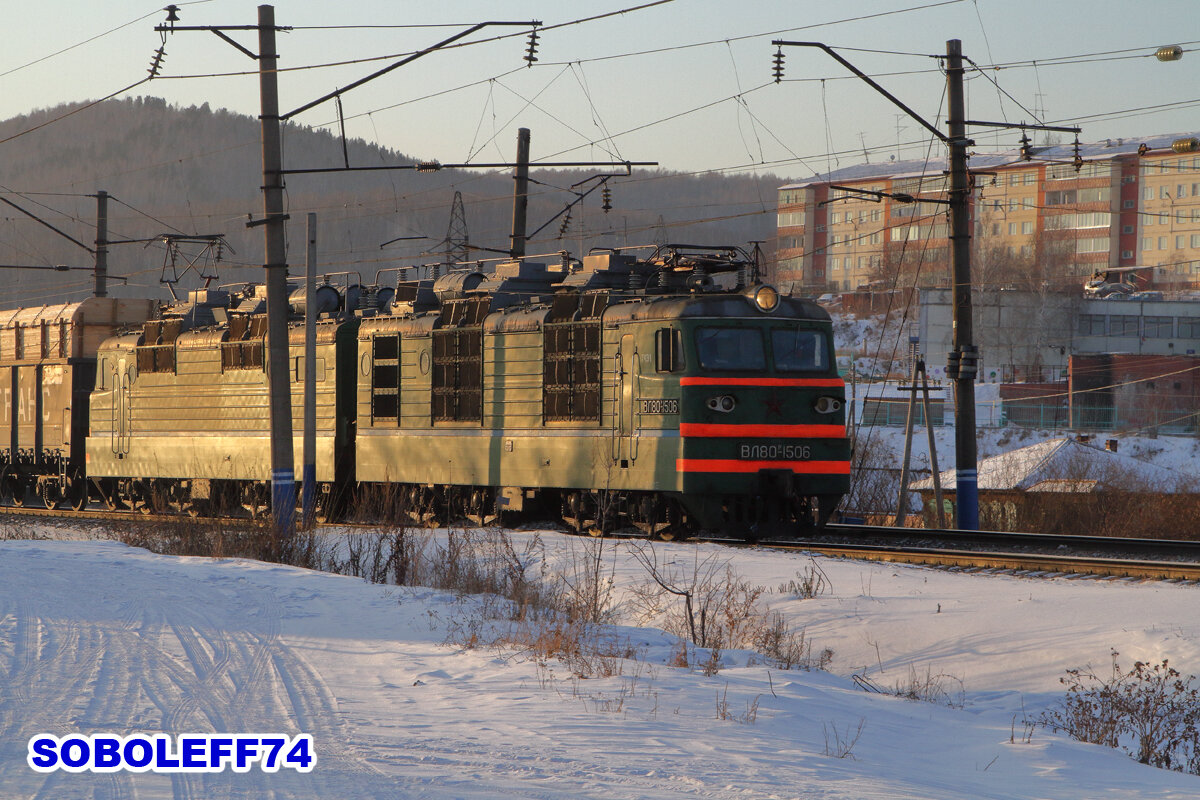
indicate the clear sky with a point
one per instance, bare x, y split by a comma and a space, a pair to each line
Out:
686, 83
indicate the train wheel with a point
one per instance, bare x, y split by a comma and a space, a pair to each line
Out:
675, 527
77, 492
572, 512
323, 501
481, 508
17, 489
140, 501
254, 500
52, 495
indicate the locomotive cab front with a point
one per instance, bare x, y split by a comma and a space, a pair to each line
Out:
762, 416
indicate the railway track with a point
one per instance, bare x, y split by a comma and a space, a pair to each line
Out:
1019, 553
1032, 553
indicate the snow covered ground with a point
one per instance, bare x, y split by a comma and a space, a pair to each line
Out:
98, 637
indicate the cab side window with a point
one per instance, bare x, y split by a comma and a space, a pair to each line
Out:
668, 350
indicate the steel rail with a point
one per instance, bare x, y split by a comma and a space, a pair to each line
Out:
1020, 562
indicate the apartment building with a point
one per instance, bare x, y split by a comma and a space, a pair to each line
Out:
1050, 214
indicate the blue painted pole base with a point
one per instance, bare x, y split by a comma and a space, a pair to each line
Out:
967, 489
283, 501
308, 495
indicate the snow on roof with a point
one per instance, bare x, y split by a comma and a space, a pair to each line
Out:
1065, 465
1091, 151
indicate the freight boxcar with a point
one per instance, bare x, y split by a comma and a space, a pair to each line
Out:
47, 367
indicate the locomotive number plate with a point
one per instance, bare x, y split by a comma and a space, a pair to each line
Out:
669, 406
774, 452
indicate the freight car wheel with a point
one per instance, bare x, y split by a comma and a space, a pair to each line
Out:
77, 492
52, 495
16, 489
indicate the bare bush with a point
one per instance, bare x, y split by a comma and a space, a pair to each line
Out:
222, 538
932, 687
840, 744
711, 607
747, 717
788, 648
1151, 712
587, 584
809, 582
716, 608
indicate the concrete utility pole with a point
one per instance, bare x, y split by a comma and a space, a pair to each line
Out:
520, 195
101, 244
283, 466
964, 360
309, 462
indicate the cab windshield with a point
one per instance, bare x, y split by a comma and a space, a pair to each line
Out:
731, 349
799, 350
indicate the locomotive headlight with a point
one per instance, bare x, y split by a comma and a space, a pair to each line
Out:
723, 403
765, 298
827, 405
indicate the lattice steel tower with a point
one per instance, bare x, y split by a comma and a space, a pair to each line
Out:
457, 239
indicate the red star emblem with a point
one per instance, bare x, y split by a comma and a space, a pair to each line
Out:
774, 406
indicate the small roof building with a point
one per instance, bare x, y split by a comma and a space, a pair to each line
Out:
1065, 486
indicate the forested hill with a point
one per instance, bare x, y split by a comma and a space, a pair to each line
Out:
197, 170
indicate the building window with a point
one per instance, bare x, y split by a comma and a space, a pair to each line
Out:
1026, 228
1158, 327
1091, 324
1189, 327
1147, 243
1123, 325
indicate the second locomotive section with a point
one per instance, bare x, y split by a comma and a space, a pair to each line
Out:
623, 392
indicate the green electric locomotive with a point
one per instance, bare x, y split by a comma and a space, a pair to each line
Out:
671, 393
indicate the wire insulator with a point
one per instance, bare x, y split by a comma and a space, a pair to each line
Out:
777, 70
1026, 148
564, 225
606, 194
156, 62
531, 50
